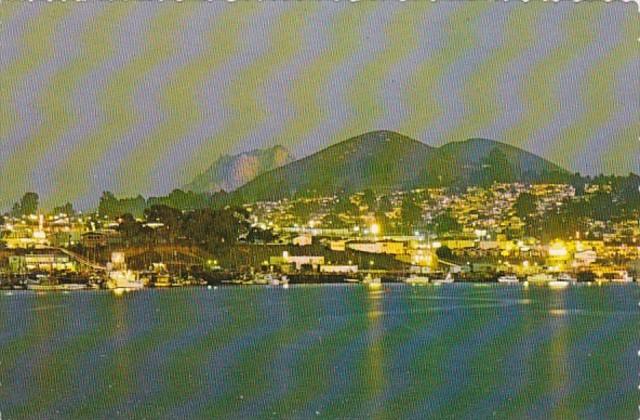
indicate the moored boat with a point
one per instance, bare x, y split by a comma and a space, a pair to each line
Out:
372, 281
508, 279
558, 284
567, 278
621, 277
275, 280
541, 278
416, 280
162, 280
447, 280
73, 286
123, 280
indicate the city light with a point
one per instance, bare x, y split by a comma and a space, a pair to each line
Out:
558, 250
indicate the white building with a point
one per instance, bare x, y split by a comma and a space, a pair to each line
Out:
339, 269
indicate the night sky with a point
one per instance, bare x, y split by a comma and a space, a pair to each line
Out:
139, 97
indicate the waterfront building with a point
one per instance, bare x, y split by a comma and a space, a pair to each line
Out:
379, 247
298, 261
41, 262
339, 269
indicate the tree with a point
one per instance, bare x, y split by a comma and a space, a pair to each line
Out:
182, 200
132, 231
601, 206
67, 209
164, 214
334, 221
170, 218
525, 205
444, 253
411, 213
385, 205
108, 204
111, 206
210, 228
343, 205
368, 198
16, 211
257, 235
445, 223
28, 205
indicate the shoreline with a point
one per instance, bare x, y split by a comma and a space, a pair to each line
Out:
78, 287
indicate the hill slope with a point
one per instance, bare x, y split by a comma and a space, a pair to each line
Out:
385, 160
482, 161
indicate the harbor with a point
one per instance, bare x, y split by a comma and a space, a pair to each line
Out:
219, 352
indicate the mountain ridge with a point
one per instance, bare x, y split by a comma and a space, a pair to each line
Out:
386, 160
230, 172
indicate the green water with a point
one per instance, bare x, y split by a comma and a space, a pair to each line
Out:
459, 351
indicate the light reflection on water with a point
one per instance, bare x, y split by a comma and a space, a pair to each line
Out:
340, 351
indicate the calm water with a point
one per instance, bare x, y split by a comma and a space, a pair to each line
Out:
327, 351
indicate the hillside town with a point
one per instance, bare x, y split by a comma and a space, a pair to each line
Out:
507, 232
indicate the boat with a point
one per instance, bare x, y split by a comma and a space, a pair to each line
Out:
73, 286
568, 278
43, 287
123, 280
558, 284
94, 281
447, 280
275, 280
258, 278
416, 280
621, 277
541, 278
162, 280
508, 279
42, 283
372, 281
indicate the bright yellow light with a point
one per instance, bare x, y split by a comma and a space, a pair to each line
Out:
375, 228
558, 250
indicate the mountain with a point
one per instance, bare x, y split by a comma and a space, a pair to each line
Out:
387, 161
231, 172
480, 161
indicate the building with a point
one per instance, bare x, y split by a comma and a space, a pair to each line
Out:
302, 240
94, 239
585, 257
338, 245
339, 269
41, 262
380, 247
25, 237
299, 262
